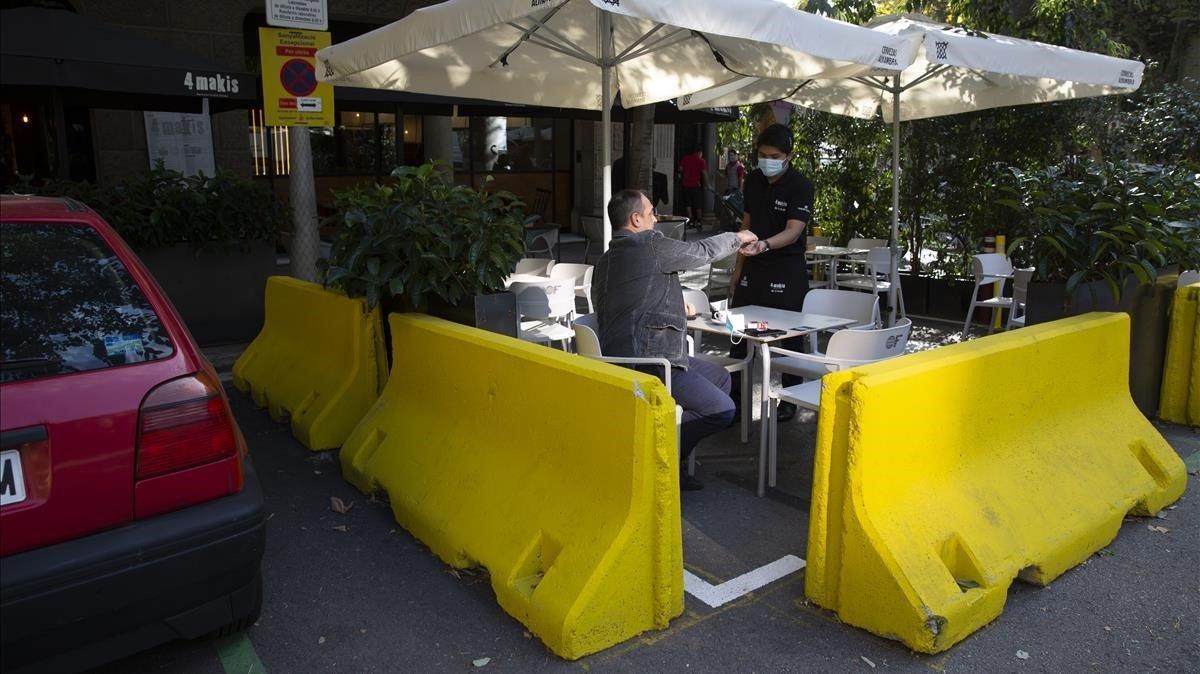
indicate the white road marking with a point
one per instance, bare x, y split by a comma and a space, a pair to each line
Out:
718, 595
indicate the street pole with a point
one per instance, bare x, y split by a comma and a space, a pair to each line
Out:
306, 240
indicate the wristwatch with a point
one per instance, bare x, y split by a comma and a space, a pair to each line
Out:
767, 244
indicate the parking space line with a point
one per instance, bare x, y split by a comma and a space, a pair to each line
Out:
718, 595
238, 656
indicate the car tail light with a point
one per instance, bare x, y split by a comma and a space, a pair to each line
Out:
184, 423
189, 449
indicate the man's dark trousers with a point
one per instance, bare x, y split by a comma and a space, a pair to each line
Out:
703, 392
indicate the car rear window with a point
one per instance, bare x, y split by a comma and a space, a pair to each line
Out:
68, 304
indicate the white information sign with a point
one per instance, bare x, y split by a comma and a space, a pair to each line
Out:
308, 14
182, 141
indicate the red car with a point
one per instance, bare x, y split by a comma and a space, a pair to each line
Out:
130, 514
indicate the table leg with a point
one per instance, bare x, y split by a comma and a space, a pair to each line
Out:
764, 427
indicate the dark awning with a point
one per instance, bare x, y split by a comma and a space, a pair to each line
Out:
101, 65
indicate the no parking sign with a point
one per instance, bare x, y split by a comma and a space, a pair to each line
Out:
291, 94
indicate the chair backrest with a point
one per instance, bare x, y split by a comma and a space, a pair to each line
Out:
672, 228
1021, 279
532, 265
543, 242
866, 243
580, 274
587, 336
697, 299
861, 307
991, 265
552, 299
1187, 278
592, 227
865, 346
820, 240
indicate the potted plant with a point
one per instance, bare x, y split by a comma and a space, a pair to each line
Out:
209, 241
1100, 239
422, 243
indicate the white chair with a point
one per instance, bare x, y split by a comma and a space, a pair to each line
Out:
876, 276
862, 308
847, 348
740, 367
1016, 315
587, 343
544, 242
544, 311
815, 262
989, 268
534, 266
580, 275
850, 261
1187, 278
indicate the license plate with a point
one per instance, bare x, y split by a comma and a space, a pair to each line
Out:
12, 482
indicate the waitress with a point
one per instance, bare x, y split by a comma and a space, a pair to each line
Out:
772, 271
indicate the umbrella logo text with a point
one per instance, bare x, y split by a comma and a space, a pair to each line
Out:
941, 49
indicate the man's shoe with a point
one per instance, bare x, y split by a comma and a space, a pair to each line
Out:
786, 411
689, 483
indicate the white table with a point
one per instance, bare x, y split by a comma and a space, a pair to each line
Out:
833, 253
797, 324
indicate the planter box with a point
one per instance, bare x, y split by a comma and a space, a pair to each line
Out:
948, 298
218, 292
916, 293
1148, 307
496, 312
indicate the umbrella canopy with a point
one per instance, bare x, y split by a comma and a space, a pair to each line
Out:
579, 53
103, 65
959, 70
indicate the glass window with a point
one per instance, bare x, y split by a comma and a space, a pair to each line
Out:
461, 143
414, 154
351, 147
68, 305
530, 144
387, 140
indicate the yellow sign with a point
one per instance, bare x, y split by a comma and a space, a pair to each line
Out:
292, 96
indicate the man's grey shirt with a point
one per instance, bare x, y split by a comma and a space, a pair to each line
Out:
639, 302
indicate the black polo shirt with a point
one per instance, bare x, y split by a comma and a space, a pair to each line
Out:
771, 205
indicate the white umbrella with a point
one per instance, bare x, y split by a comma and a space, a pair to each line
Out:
565, 53
959, 70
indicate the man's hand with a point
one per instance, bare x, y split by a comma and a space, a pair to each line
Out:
753, 248
746, 237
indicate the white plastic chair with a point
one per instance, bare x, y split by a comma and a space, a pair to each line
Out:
587, 344
876, 276
815, 262
1016, 315
847, 348
989, 268
535, 266
1187, 278
548, 307
740, 367
580, 275
862, 308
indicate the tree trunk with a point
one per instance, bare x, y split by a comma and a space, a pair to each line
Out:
639, 165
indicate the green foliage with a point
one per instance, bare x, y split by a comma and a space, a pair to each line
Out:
1110, 221
423, 235
162, 207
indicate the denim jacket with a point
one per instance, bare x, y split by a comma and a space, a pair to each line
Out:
639, 302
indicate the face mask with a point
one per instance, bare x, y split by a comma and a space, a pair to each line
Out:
771, 167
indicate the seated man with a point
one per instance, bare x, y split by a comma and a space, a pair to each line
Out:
640, 312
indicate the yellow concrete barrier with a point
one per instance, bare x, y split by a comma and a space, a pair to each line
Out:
942, 476
1180, 398
557, 473
319, 361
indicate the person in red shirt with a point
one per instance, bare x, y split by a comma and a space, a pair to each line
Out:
693, 171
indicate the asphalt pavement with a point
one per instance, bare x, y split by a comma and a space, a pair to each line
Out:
355, 592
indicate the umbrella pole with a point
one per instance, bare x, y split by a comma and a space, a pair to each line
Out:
606, 119
894, 280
